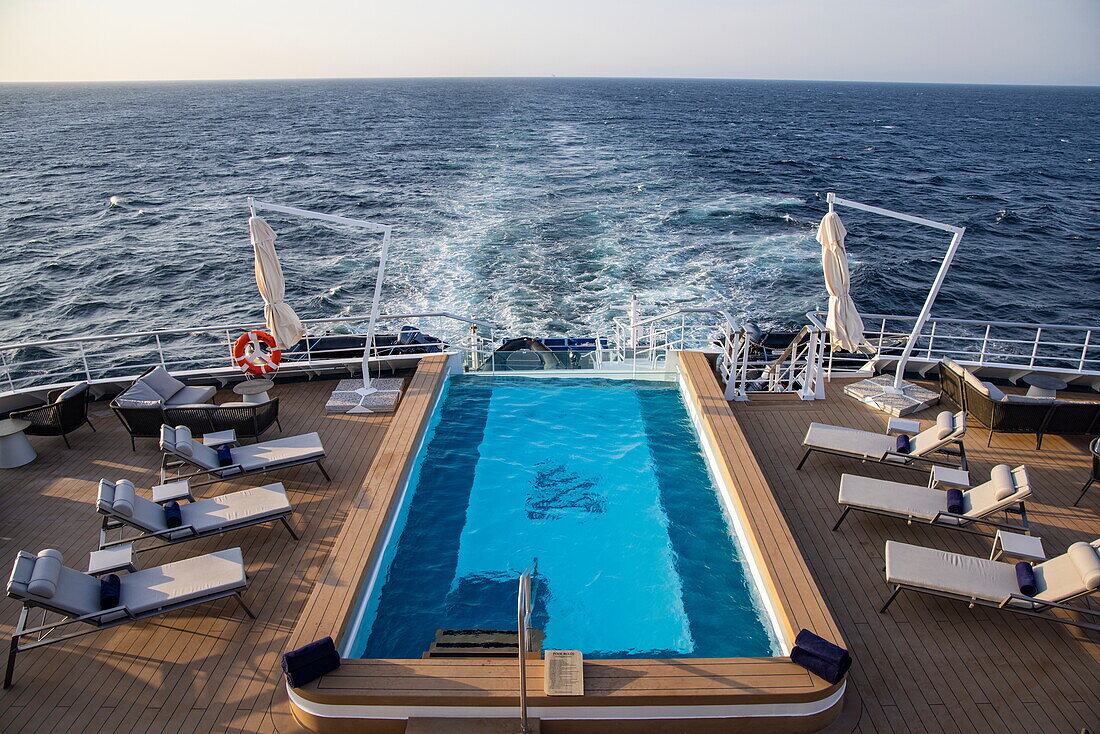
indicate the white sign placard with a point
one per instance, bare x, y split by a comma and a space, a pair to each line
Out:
563, 673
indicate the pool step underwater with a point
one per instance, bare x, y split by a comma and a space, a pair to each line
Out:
479, 643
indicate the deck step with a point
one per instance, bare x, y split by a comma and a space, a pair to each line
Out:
480, 643
445, 725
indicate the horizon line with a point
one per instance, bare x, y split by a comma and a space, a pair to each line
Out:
553, 76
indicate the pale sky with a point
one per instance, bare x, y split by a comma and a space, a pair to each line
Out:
978, 41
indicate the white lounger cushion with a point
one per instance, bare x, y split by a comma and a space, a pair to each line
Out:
279, 451
1059, 579
1069, 574
925, 503
206, 515
250, 504
849, 440
118, 499
73, 592
954, 573
947, 428
191, 578
894, 497
179, 442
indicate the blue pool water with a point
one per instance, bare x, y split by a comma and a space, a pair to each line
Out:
600, 485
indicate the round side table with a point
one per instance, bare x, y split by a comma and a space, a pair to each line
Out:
15, 449
1043, 386
254, 391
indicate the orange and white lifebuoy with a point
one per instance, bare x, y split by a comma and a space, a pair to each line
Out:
256, 353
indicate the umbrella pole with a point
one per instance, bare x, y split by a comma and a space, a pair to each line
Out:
926, 311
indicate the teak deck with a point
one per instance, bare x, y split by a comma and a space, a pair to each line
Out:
928, 665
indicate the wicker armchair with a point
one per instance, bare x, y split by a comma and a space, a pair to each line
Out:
951, 383
1094, 447
249, 420
65, 410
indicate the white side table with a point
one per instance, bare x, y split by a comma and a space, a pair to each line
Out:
254, 391
219, 438
109, 560
903, 425
943, 477
1015, 545
15, 449
180, 490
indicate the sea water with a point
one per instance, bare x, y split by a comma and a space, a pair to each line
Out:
540, 204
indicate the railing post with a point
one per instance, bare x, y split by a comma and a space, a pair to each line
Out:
1035, 346
985, 344
819, 360
1084, 351
84, 359
931, 339
160, 351
7, 371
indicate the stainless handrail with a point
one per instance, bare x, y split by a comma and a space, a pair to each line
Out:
237, 327
523, 620
979, 343
107, 357
813, 317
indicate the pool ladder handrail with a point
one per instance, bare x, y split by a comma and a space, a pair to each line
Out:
523, 622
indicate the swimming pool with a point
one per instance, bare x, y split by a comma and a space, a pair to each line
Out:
598, 485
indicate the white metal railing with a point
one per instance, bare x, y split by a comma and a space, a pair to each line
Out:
799, 368
1062, 348
651, 339
206, 349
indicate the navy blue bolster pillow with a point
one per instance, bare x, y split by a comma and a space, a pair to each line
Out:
827, 670
903, 444
1025, 577
310, 662
173, 518
225, 455
822, 648
110, 591
955, 501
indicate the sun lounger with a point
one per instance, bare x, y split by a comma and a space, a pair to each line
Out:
1005, 492
122, 508
981, 582
931, 446
43, 582
181, 448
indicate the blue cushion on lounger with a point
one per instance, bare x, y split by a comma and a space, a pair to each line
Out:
110, 591
1025, 577
225, 455
903, 444
955, 501
173, 518
310, 662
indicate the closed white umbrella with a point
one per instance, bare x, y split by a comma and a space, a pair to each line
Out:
282, 322
843, 322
